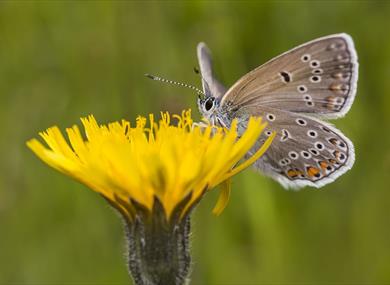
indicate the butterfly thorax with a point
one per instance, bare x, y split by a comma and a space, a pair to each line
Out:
216, 113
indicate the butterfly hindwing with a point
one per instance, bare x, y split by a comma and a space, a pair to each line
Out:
305, 151
210, 84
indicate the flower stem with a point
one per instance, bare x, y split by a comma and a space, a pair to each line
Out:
158, 250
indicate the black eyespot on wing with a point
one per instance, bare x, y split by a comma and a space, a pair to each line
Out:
315, 78
286, 76
319, 145
302, 88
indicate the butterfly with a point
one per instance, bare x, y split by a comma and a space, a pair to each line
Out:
294, 92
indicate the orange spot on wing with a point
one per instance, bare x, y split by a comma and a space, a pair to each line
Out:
293, 173
335, 86
333, 141
312, 171
336, 154
323, 164
330, 102
338, 88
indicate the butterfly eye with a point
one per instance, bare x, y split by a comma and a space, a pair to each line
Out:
209, 104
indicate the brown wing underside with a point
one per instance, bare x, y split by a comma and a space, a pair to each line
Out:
318, 78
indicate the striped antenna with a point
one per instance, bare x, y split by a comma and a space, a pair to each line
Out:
174, 83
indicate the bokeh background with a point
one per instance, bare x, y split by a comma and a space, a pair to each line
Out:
63, 60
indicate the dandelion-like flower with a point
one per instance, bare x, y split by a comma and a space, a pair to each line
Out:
153, 174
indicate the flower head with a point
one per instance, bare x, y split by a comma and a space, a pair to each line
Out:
151, 161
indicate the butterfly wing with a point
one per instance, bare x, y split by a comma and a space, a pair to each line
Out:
210, 84
318, 78
305, 151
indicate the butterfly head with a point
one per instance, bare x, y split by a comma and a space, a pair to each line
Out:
207, 106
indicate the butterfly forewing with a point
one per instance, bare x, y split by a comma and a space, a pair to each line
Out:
316, 78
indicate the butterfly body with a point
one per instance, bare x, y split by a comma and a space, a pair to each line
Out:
293, 93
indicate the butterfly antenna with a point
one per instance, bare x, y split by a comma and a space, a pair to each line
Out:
174, 83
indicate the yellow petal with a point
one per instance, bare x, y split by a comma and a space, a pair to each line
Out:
223, 197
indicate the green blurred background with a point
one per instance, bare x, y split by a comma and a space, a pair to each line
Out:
63, 60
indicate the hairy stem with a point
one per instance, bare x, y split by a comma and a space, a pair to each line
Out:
158, 250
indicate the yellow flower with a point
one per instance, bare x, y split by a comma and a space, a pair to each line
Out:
139, 164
